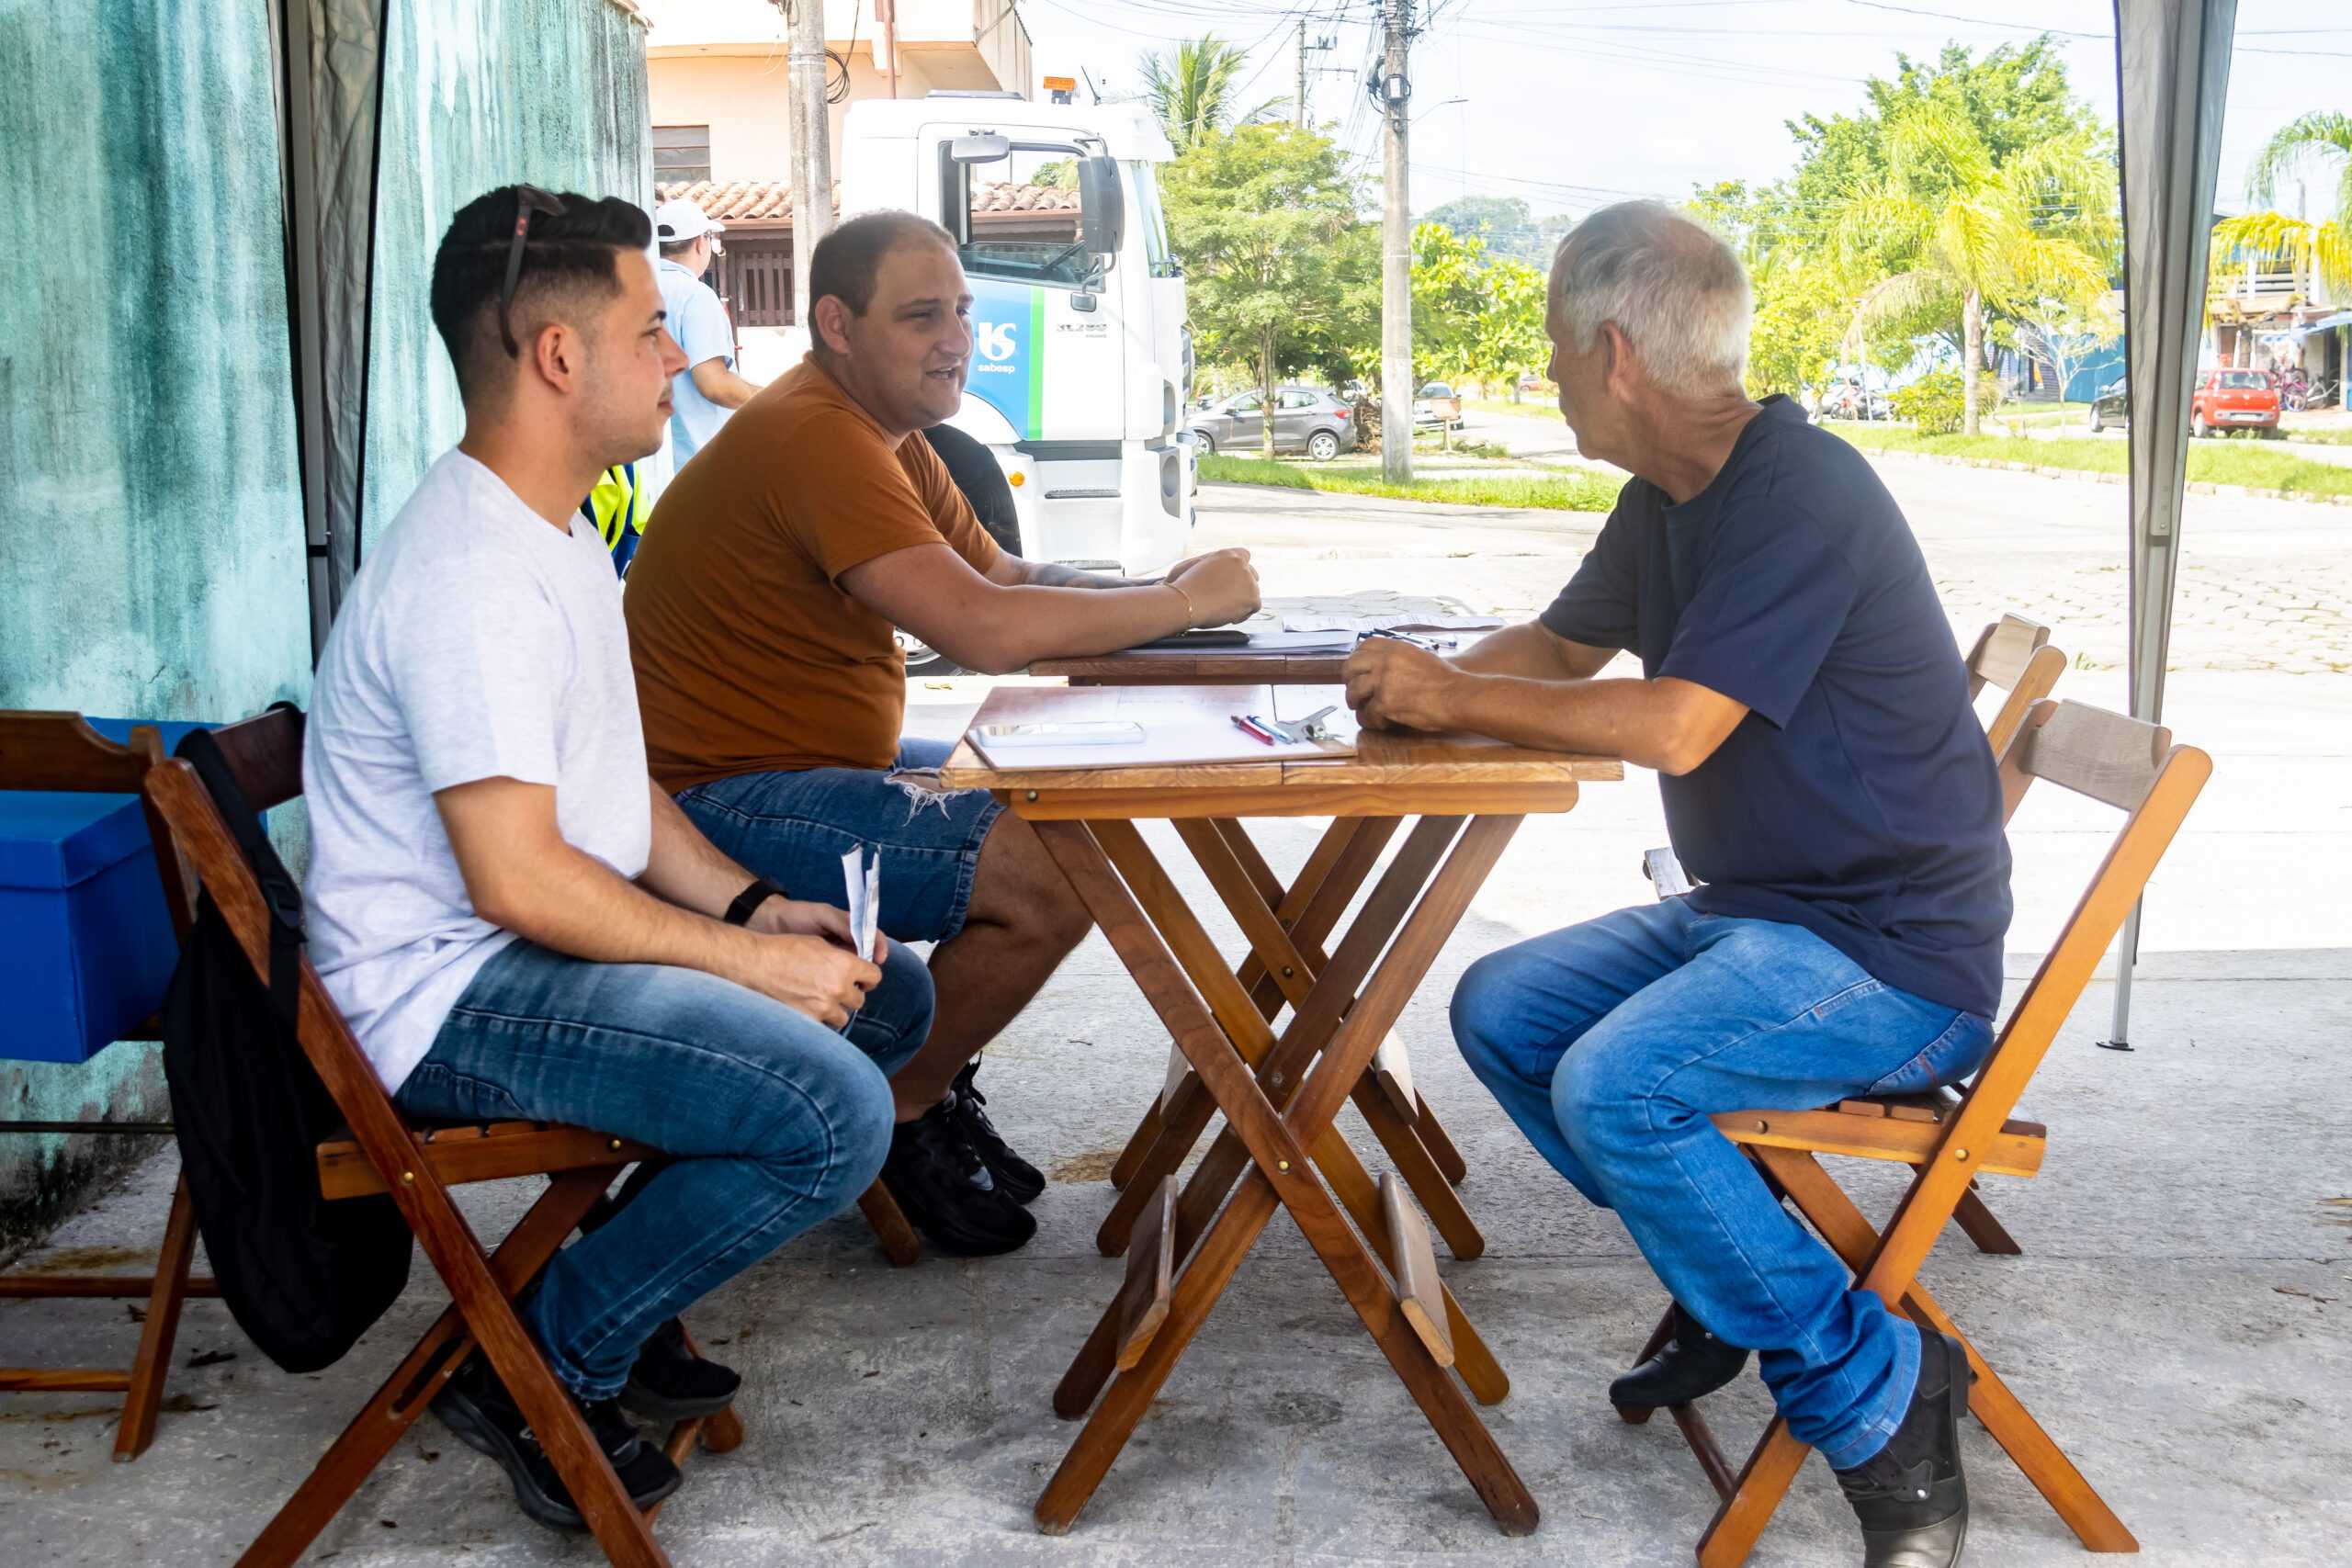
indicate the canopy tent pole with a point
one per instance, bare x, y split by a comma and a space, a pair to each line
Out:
2173, 74
330, 82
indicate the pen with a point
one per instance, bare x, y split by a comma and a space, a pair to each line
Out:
1250, 728
1430, 643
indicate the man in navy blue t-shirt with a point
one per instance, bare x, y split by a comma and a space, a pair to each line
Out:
1828, 787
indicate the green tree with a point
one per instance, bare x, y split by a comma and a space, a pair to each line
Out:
1282, 274
1192, 89
1506, 225
2322, 137
1950, 227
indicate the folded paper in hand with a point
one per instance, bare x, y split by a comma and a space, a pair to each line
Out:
863, 880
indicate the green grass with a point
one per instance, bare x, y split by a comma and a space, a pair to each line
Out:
1569, 493
2321, 438
2237, 461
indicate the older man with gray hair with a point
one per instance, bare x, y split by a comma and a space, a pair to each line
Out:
1827, 783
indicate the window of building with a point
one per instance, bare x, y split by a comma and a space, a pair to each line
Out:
681, 153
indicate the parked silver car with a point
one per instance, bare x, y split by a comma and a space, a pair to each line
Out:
1306, 419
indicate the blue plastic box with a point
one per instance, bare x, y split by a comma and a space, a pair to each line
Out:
87, 945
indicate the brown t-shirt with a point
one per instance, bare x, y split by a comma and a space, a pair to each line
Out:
750, 657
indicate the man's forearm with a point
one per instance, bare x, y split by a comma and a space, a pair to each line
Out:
686, 869
1029, 623
1052, 574
575, 904
1645, 722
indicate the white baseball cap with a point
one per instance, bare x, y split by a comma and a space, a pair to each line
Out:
677, 220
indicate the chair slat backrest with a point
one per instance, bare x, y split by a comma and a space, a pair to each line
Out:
2126, 763
265, 753
2013, 655
2002, 653
59, 750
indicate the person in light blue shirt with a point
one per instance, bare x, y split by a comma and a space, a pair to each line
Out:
707, 389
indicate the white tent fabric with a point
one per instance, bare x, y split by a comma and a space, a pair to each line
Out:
2173, 67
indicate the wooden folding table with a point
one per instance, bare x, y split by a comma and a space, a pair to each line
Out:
1279, 1090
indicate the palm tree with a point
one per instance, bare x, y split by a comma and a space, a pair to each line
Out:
2322, 136
1946, 230
1192, 90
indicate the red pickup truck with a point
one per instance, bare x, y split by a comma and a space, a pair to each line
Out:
2235, 399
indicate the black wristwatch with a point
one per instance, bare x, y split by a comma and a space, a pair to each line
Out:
739, 912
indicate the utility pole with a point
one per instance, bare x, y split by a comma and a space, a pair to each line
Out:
812, 159
1300, 119
1321, 45
1396, 254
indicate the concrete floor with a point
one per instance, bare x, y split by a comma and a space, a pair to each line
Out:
2181, 1321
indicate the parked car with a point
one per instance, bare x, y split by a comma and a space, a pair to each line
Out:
2112, 408
1436, 405
2235, 399
1306, 419
1533, 383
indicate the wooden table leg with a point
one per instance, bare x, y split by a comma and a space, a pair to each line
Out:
1277, 1148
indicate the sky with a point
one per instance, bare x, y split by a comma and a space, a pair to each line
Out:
1574, 104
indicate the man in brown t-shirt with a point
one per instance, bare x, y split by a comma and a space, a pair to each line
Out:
760, 612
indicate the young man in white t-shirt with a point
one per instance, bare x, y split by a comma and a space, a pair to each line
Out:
516, 924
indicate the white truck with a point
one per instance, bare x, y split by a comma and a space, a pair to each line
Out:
1081, 366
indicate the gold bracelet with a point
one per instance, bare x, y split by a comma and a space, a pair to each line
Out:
1191, 614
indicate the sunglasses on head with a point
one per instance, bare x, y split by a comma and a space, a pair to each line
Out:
528, 200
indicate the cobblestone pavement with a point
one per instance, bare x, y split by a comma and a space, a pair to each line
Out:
2264, 585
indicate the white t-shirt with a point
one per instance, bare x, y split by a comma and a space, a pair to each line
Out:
477, 642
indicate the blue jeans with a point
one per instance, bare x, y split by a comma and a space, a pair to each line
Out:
794, 828
1611, 1042
774, 1123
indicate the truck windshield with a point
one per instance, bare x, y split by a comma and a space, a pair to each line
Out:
1018, 218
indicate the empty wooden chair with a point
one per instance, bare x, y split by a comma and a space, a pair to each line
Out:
60, 752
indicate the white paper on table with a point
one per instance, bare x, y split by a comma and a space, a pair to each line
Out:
1374, 610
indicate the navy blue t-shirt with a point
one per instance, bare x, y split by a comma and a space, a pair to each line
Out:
1857, 798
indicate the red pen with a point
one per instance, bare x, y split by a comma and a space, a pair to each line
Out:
1249, 728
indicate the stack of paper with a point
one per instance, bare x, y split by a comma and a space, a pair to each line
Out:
1378, 609
863, 879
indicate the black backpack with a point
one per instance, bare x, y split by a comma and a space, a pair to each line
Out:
303, 1277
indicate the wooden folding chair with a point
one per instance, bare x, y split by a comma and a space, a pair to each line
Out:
418, 1163
2013, 655
61, 751
2124, 763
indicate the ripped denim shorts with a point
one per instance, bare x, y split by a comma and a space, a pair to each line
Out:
793, 828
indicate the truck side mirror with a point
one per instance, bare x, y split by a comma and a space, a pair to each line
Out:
1103, 203
979, 149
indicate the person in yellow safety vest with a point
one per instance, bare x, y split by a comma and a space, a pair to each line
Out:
618, 508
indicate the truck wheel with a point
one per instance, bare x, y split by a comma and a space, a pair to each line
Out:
1322, 446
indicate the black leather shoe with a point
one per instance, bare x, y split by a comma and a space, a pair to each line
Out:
1015, 1177
671, 1383
947, 1189
1911, 1496
1693, 1364
476, 1406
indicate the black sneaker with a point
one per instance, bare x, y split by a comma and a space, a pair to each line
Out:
671, 1383
1693, 1364
1911, 1496
477, 1408
1015, 1177
946, 1190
